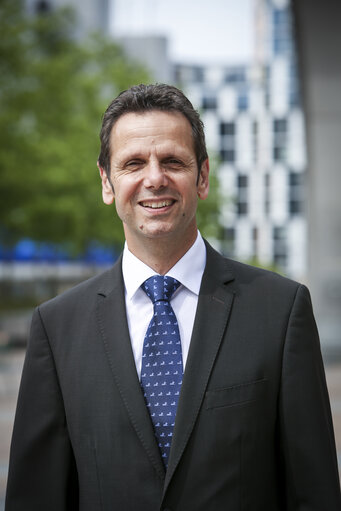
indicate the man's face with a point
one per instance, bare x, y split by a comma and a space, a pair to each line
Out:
154, 175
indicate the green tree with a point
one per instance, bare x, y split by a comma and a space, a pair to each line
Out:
208, 212
53, 92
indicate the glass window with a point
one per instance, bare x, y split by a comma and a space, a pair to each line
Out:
280, 127
242, 208
296, 193
227, 128
243, 101
280, 245
209, 103
242, 181
227, 155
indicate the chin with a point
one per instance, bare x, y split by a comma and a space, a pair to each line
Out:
157, 232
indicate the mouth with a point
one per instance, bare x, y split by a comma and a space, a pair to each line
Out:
160, 204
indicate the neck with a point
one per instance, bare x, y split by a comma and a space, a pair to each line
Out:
160, 254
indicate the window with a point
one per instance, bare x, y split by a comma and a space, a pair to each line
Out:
242, 208
296, 193
229, 236
280, 127
255, 235
243, 101
227, 155
267, 183
188, 74
227, 141
295, 179
227, 128
235, 76
42, 7
294, 92
281, 31
279, 154
242, 199
280, 245
295, 207
242, 181
255, 141
209, 103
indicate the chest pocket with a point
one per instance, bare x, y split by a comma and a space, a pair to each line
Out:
236, 395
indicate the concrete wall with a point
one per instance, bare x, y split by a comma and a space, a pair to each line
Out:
318, 32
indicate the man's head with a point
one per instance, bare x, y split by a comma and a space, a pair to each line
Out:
147, 98
152, 141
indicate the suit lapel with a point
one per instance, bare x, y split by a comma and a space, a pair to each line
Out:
214, 305
111, 315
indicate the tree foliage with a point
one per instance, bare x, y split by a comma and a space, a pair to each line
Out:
53, 92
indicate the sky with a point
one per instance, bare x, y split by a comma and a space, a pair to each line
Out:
198, 31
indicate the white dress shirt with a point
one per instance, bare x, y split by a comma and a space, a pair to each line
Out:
188, 270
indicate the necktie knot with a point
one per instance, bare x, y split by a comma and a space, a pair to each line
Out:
160, 287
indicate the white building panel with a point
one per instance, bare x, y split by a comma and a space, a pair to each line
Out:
296, 141
279, 195
279, 87
214, 75
243, 241
297, 236
227, 103
256, 97
195, 94
280, 4
265, 243
256, 194
227, 182
265, 141
211, 131
244, 151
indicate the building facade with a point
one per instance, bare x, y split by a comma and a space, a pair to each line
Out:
91, 15
254, 123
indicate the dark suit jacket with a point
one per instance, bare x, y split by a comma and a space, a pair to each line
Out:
253, 429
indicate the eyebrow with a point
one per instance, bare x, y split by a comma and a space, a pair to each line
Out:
179, 154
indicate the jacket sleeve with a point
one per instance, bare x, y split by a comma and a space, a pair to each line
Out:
42, 472
310, 474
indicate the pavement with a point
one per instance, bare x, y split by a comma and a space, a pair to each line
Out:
11, 362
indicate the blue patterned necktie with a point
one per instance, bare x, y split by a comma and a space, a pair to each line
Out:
162, 370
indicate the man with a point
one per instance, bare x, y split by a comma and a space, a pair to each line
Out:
239, 365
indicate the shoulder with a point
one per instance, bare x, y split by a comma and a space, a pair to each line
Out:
249, 277
85, 293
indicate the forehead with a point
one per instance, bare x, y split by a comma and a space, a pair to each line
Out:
146, 130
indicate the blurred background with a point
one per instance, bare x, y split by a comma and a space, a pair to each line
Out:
265, 76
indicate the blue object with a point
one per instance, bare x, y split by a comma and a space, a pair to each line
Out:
162, 368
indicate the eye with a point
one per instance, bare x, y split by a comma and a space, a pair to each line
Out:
174, 162
132, 164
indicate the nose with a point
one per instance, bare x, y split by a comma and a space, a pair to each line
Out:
154, 175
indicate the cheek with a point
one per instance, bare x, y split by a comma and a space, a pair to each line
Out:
124, 196
190, 192
123, 189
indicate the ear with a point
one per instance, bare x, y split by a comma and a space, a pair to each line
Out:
203, 183
107, 189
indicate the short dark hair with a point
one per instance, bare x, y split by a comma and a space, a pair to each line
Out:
144, 98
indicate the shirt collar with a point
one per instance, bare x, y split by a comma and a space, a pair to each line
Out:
188, 270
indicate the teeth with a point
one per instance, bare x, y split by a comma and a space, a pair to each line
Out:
156, 205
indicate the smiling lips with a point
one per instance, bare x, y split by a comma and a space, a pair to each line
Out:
157, 204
